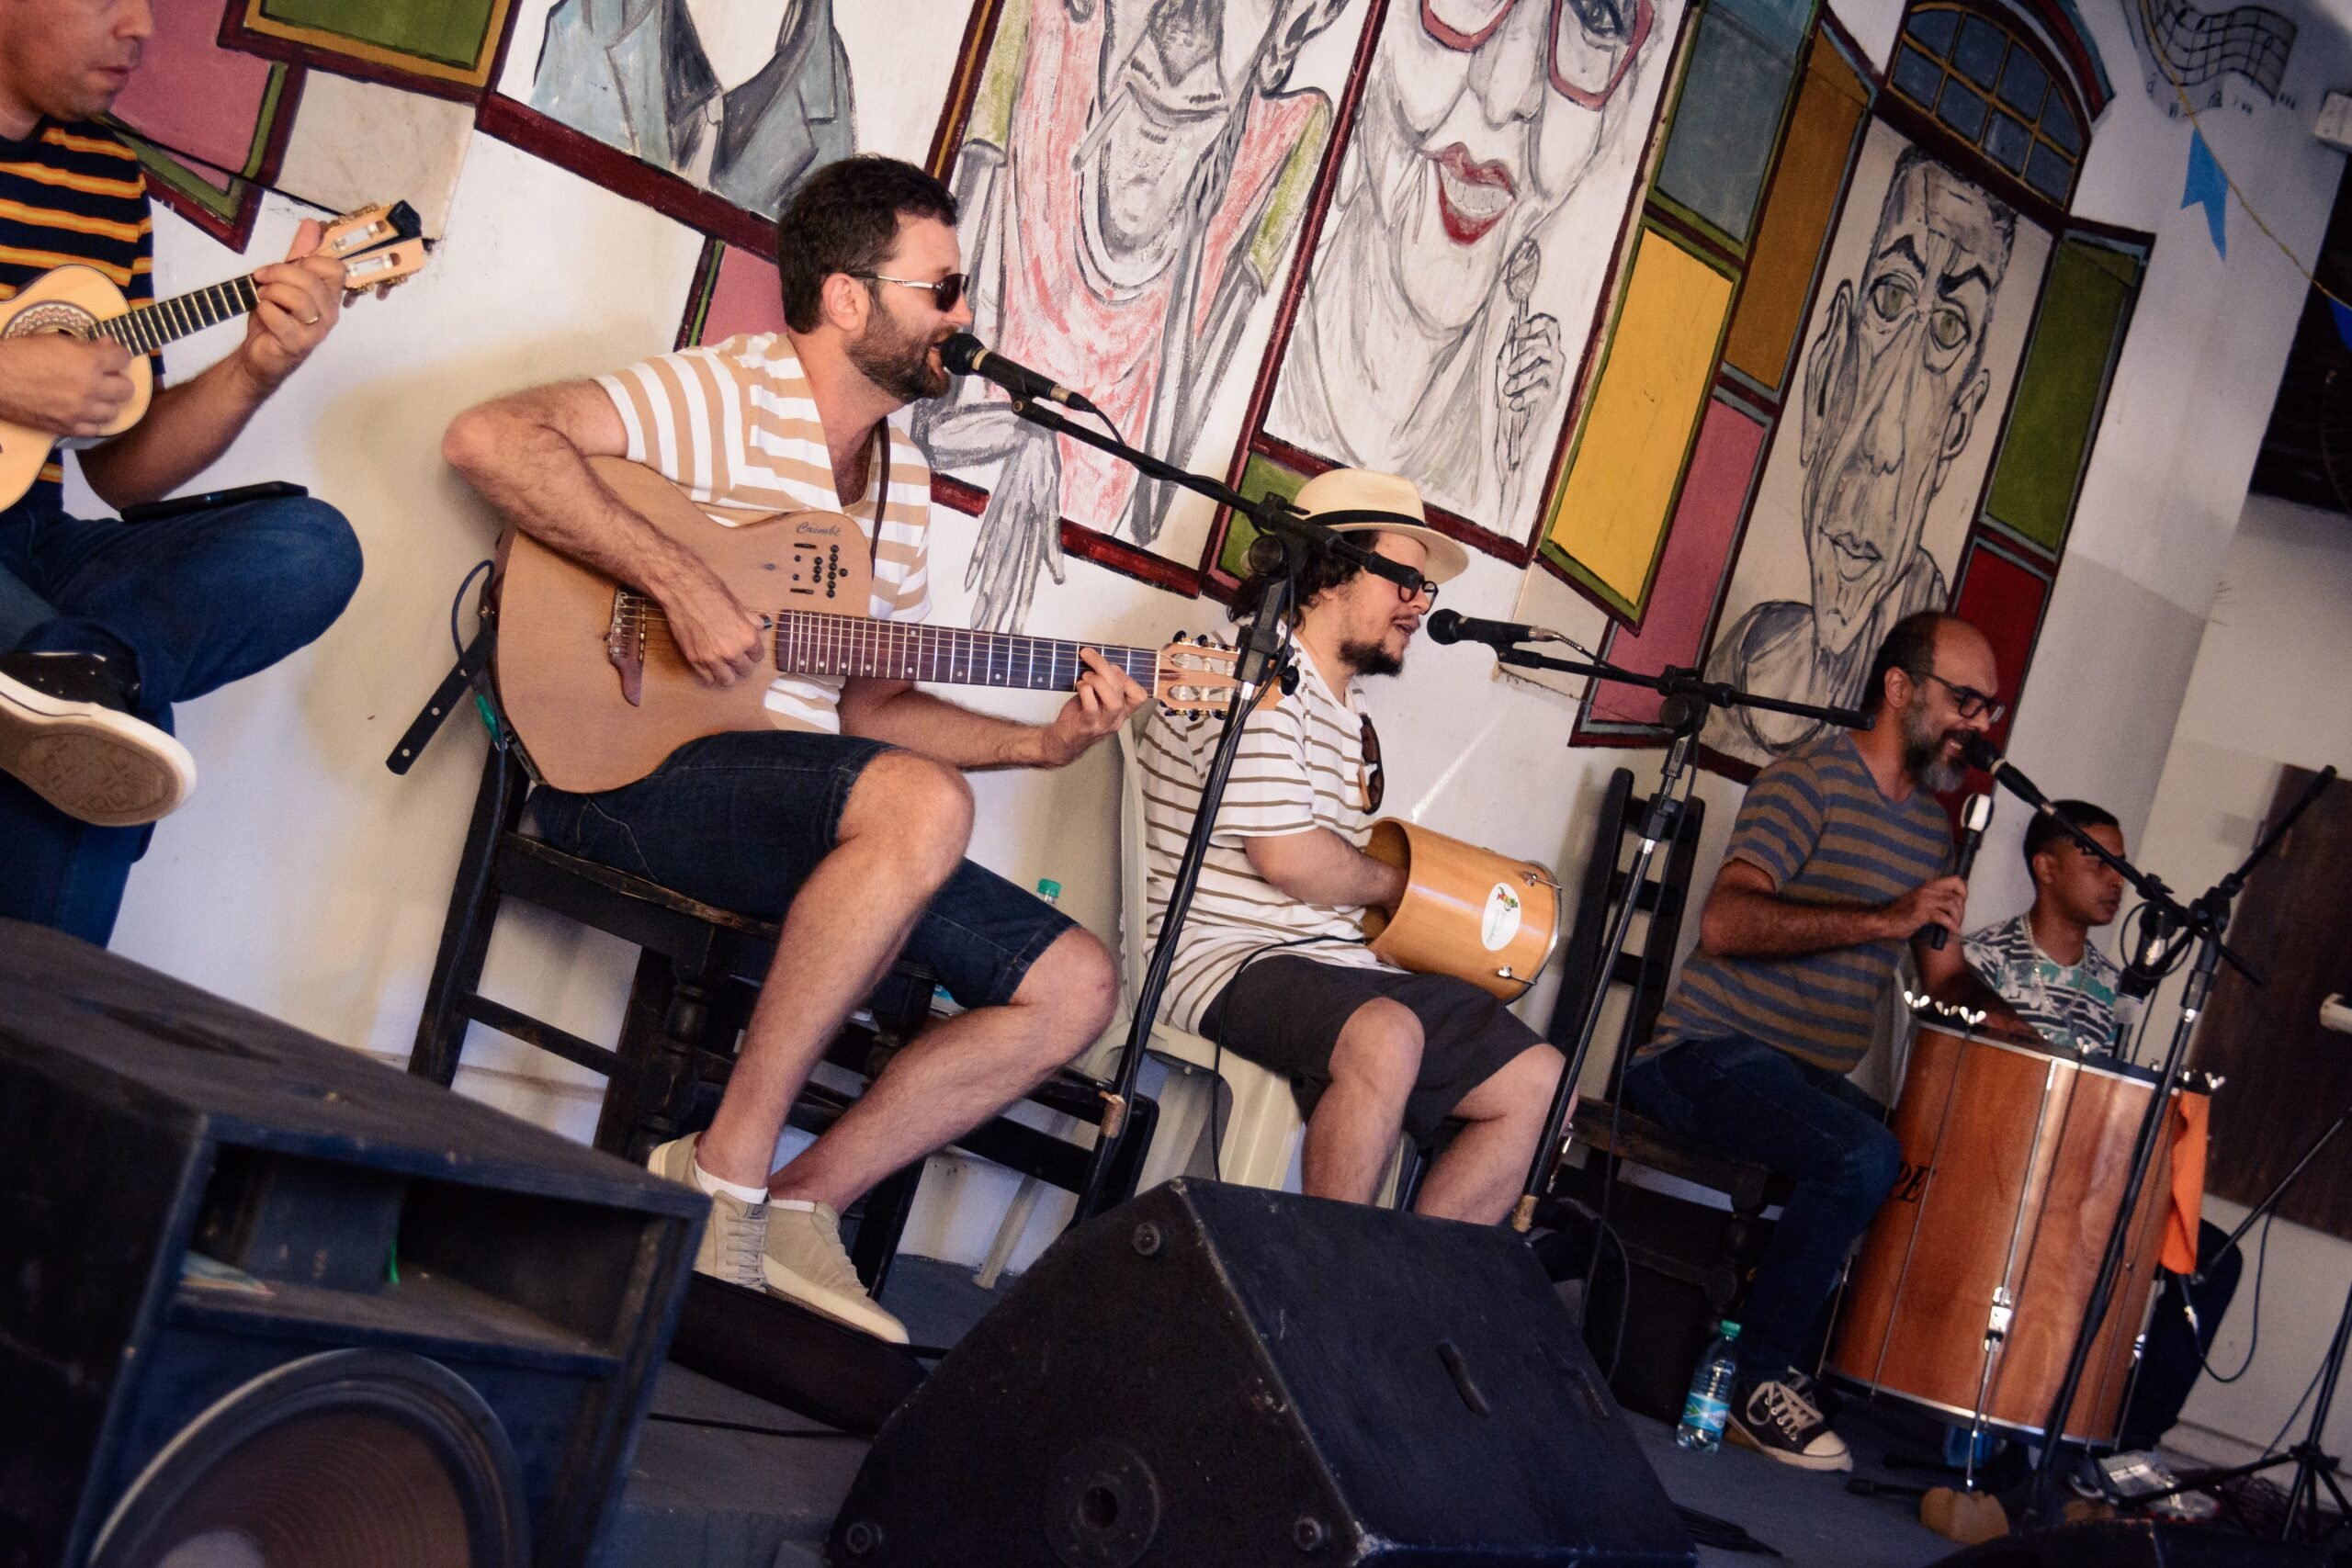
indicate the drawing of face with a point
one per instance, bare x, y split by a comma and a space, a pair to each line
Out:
1481, 117
1175, 76
1893, 385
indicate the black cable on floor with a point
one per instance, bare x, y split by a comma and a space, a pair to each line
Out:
747, 1427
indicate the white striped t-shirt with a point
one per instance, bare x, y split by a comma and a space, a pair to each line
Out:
1300, 767
735, 425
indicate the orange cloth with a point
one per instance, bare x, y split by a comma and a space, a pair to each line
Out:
2178, 1253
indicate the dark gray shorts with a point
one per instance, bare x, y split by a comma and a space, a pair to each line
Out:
1285, 1011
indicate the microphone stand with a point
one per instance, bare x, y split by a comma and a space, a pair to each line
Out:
1263, 657
1688, 701
2205, 920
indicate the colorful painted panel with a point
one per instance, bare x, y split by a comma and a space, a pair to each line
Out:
1728, 116
1820, 144
1609, 520
1132, 208
207, 122
734, 291
1880, 457
2003, 593
1465, 253
1689, 574
426, 43
2076, 335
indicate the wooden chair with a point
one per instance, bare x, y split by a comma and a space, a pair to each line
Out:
1616, 1135
698, 972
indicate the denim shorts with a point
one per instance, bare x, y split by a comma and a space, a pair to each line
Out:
740, 821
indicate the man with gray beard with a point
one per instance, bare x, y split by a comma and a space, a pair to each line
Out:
1840, 855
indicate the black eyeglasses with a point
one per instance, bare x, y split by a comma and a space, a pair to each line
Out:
1418, 587
1375, 782
944, 292
1972, 701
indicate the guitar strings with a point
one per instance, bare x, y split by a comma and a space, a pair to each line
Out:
876, 645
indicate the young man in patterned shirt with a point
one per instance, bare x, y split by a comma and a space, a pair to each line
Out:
1272, 963
2043, 963
1838, 858
2045, 966
848, 820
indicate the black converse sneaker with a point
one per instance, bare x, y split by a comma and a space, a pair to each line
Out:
1777, 1418
67, 735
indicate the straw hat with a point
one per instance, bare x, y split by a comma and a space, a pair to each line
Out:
1362, 501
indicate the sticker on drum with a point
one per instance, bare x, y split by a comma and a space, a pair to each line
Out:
1501, 923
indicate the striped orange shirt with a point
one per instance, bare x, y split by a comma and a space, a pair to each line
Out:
734, 424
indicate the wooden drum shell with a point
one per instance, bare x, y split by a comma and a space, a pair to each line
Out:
1443, 924
2013, 1161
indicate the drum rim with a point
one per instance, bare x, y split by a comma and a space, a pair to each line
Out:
2102, 1065
1992, 1423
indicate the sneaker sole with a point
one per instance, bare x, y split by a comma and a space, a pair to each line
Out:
99, 766
1738, 1434
879, 1326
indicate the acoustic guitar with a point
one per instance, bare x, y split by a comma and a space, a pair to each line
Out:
596, 690
378, 246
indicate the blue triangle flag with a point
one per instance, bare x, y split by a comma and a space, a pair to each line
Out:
2343, 314
2208, 188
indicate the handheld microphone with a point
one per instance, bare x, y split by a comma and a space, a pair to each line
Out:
1974, 817
1983, 753
1447, 625
965, 355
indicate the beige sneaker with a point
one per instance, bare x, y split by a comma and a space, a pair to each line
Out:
89, 759
736, 1232
807, 1263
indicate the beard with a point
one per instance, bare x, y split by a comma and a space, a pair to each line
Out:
896, 360
1371, 659
1923, 752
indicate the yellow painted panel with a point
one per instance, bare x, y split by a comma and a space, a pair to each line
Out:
1611, 513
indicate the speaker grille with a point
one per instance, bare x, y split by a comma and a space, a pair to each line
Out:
364, 1458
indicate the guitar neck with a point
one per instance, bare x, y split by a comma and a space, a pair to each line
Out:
144, 329
809, 642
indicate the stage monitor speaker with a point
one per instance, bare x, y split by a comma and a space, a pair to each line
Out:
1214, 1374
2135, 1543
263, 1301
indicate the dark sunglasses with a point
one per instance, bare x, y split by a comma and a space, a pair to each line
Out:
945, 292
1972, 701
1375, 782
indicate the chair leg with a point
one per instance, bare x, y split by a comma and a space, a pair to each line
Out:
465, 934
880, 1224
644, 1100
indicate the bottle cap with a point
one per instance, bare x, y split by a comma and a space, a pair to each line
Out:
1730, 1329
1049, 889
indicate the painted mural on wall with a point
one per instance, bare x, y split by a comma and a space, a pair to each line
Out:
739, 98
1466, 243
1866, 501
1134, 179
2181, 42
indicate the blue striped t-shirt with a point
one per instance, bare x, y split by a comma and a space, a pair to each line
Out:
1816, 824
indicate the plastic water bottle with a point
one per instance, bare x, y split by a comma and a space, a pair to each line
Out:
1704, 1412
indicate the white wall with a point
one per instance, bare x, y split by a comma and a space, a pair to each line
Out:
306, 880
2271, 687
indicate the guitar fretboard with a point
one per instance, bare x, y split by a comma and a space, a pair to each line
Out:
144, 329
817, 643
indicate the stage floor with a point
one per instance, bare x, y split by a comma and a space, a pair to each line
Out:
722, 1480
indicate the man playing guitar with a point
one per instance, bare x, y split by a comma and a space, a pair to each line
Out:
1272, 963
849, 819
105, 624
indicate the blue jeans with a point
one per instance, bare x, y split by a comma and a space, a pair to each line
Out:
1758, 1102
184, 604
740, 821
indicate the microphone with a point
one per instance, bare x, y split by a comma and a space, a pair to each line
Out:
1447, 625
1974, 817
1983, 753
965, 355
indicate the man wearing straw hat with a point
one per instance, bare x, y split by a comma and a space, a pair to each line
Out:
1271, 963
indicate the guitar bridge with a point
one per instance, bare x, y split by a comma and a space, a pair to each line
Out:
625, 644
